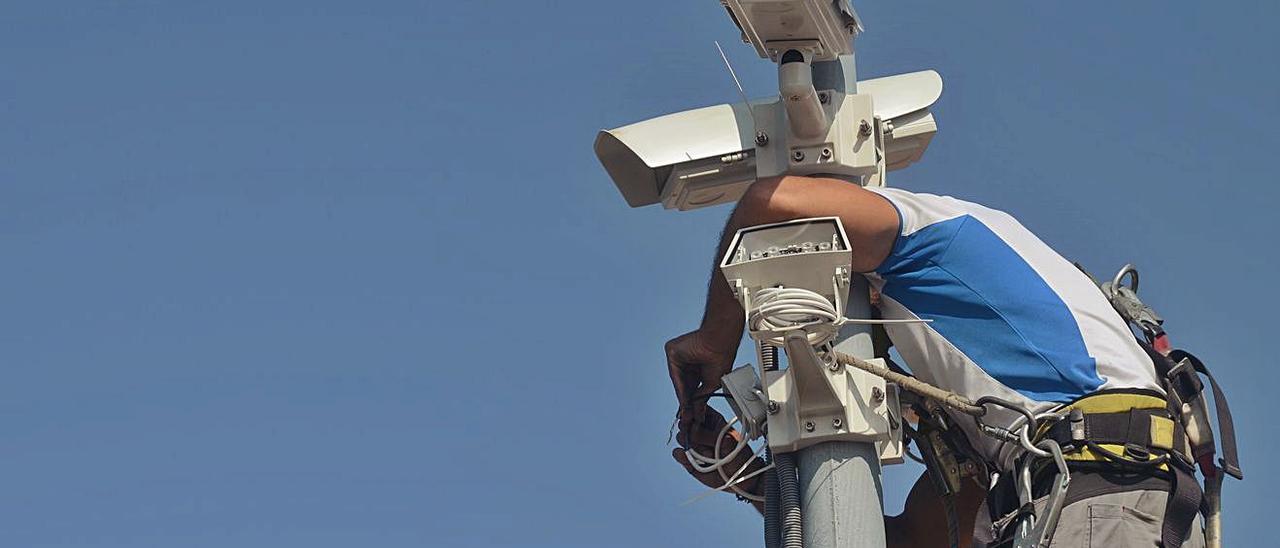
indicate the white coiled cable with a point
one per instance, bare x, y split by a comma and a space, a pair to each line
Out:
703, 463
778, 310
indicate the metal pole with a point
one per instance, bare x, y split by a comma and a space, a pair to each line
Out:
840, 75
841, 497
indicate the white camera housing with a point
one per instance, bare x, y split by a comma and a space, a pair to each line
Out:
813, 400
810, 254
709, 156
826, 27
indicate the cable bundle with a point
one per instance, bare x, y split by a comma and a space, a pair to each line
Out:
777, 310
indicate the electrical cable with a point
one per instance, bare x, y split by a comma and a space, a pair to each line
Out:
716, 463
792, 517
732, 482
704, 464
953, 520
772, 514
712, 490
778, 310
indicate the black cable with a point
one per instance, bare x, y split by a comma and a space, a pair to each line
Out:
953, 520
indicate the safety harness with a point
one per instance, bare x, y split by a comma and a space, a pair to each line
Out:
1133, 435
1126, 440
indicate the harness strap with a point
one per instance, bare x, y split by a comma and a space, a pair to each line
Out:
1181, 509
1226, 426
1127, 433
1135, 429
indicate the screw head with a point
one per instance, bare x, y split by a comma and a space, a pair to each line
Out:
762, 138
877, 395
797, 156
834, 367
864, 128
808, 426
826, 153
842, 276
824, 97
773, 407
837, 423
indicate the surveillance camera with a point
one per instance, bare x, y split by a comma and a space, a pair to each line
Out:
688, 159
708, 156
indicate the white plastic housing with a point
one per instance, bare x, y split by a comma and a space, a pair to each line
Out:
826, 27
815, 400
708, 156
805, 253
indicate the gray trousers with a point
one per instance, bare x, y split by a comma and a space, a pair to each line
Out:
1117, 520
1131, 519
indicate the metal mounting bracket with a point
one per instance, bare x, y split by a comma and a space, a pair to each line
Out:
815, 400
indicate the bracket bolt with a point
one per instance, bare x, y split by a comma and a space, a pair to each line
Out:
797, 156
877, 395
773, 407
826, 153
864, 128
808, 426
836, 423
762, 138
834, 367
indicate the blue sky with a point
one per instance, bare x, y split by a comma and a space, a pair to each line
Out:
318, 274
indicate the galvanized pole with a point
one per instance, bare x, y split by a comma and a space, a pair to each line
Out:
840, 481
841, 497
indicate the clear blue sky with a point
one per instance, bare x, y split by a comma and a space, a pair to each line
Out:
314, 274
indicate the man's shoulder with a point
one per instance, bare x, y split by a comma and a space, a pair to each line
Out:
921, 209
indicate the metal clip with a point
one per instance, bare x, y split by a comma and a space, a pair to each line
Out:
1037, 531
1126, 302
1076, 421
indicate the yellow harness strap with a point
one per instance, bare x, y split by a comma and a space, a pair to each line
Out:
1162, 429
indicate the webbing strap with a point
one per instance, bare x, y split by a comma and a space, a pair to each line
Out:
1143, 428
1226, 427
1180, 512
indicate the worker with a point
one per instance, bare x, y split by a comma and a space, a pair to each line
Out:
1006, 317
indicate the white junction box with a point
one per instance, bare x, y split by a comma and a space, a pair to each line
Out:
813, 399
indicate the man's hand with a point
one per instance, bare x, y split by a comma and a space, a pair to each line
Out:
702, 438
696, 362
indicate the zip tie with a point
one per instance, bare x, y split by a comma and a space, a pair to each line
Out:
712, 491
